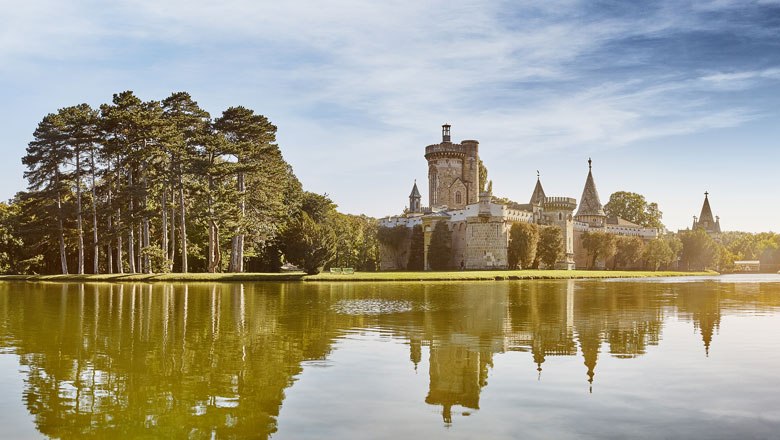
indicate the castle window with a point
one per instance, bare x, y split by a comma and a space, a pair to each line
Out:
457, 197
560, 216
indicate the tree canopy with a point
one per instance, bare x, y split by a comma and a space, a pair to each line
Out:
634, 208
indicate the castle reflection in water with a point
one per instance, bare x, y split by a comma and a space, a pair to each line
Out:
164, 360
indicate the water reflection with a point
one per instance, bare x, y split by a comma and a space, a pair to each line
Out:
198, 360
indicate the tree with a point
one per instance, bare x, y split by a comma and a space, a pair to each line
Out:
308, 244
657, 253
440, 247
251, 141
599, 246
628, 251
699, 250
395, 240
634, 208
45, 158
523, 240
192, 131
416, 250
81, 131
551, 247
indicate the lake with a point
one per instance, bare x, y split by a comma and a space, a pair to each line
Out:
651, 358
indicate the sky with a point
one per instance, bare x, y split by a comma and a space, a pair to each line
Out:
669, 98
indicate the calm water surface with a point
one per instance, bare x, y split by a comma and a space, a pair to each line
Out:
675, 358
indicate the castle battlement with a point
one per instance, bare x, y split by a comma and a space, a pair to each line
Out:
566, 203
446, 149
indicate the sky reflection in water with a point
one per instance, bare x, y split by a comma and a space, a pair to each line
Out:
542, 359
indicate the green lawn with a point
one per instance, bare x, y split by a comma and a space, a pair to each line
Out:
358, 276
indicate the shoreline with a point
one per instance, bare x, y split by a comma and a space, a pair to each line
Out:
498, 275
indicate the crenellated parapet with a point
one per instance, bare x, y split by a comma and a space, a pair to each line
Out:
560, 203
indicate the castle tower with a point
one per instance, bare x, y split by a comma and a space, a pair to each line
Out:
558, 211
453, 172
414, 200
591, 211
706, 220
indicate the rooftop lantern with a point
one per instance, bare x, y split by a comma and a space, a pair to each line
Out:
445, 133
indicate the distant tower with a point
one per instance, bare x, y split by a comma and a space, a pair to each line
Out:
537, 198
706, 220
591, 211
558, 211
453, 172
414, 200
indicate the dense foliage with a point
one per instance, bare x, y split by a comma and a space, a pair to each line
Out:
551, 246
523, 239
440, 247
599, 245
416, 250
160, 186
634, 208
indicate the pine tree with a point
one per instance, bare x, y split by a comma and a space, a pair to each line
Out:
46, 156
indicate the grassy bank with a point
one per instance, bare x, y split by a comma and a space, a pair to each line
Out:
359, 276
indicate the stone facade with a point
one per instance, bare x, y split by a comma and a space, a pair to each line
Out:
480, 228
453, 172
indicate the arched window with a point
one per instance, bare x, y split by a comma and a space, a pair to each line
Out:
457, 197
560, 216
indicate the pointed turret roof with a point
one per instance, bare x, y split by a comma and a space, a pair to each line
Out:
415, 192
538, 195
590, 204
706, 211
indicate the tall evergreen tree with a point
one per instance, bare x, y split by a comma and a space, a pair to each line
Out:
45, 159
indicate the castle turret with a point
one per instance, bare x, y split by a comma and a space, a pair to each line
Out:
453, 172
414, 200
591, 211
537, 197
558, 211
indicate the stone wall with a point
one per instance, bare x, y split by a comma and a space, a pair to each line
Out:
488, 239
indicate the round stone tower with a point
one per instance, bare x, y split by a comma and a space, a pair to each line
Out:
453, 172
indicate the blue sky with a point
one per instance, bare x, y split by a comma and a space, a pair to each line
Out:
669, 98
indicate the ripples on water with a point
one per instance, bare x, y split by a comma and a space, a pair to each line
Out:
684, 357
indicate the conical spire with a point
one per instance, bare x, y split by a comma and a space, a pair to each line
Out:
706, 220
415, 191
414, 199
706, 211
538, 195
590, 204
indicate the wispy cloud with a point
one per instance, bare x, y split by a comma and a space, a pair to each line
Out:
350, 78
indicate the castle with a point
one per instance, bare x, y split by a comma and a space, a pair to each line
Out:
480, 226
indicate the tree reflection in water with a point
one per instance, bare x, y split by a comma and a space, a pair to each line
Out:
196, 360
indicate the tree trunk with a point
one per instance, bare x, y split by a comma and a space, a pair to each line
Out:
96, 247
237, 250
215, 256
172, 242
164, 231
130, 230
139, 259
144, 232
63, 255
79, 224
182, 224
